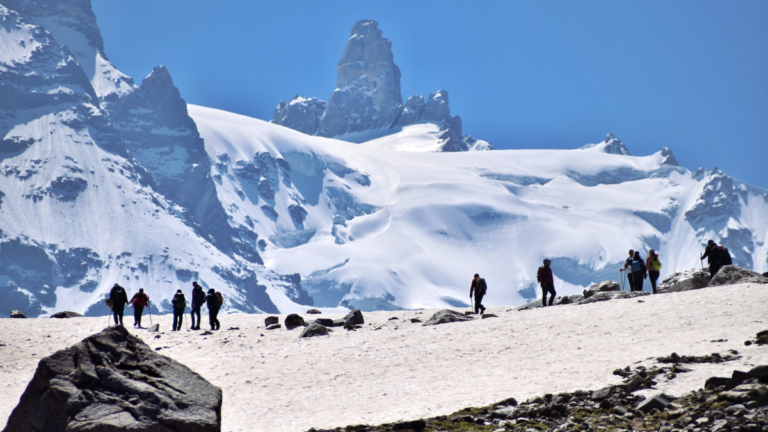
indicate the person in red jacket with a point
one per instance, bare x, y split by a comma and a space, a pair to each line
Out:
547, 282
139, 301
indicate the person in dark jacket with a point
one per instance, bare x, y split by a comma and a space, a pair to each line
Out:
179, 303
119, 299
139, 301
547, 282
627, 268
478, 288
712, 254
653, 265
212, 301
638, 272
198, 298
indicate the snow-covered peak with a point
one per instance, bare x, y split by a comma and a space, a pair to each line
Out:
610, 144
365, 28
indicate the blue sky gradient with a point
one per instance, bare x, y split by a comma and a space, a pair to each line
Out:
689, 75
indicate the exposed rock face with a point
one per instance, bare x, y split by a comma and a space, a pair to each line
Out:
112, 381
731, 274
302, 114
66, 314
17, 314
437, 108
669, 157
412, 111
367, 95
684, 281
601, 287
355, 317
447, 316
613, 145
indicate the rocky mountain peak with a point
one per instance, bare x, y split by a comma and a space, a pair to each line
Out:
614, 145
669, 157
365, 28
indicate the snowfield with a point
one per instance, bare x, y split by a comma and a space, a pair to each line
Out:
395, 369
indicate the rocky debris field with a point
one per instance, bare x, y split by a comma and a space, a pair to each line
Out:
739, 403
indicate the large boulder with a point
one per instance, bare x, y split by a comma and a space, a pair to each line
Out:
601, 287
355, 317
613, 295
66, 314
17, 314
447, 316
113, 381
327, 322
684, 281
731, 274
271, 320
294, 320
314, 329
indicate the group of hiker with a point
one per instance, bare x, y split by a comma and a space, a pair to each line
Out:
213, 300
637, 270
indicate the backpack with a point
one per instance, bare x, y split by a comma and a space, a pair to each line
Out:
656, 264
481, 287
637, 266
725, 255
179, 301
219, 299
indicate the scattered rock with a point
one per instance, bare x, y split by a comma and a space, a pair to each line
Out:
350, 326
415, 320
323, 321
731, 274
234, 328
268, 321
484, 316
355, 317
294, 320
605, 286
17, 314
339, 322
684, 281
314, 329
112, 381
762, 337
207, 333
655, 402
154, 328
712, 358
313, 312
413, 425
272, 327
446, 316
613, 295
393, 318
66, 314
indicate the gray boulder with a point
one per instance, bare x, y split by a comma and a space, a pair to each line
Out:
601, 287
112, 381
270, 320
314, 312
412, 111
684, 281
314, 329
613, 295
301, 113
731, 274
66, 314
447, 316
17, 314
437, 108
274, 326
355, 317
654, 402
322, 321
294, 320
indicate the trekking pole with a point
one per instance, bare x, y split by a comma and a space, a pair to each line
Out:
185, 322
149, 307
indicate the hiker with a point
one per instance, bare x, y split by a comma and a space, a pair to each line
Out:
214, 300
713, 256
179, 303
725, 255
139, 301
198, 298
547, 282
478, 287
118, 298
638, 272
628, 265
653, 265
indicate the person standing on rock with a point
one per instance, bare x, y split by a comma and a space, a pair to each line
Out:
638, 272
139, 301
653, 265
712, 254
547, 282
627, 266
179, 303
212, 300
119, 299
478, 288
198, 298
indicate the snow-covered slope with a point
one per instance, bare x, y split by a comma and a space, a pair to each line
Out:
382, 228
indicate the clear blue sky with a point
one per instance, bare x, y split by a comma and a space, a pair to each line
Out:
690, 75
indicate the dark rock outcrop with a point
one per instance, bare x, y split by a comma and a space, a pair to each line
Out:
731, 274
270, 320
323, 321
412, 111
613, 295
447, 316
112, 381
314, 312
684, 281
315, 329
294, 320
355, 317
17, 314
66, 314
301, 114
601, 287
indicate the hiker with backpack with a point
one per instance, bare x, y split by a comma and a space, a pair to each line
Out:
714, 257
638, 272
198, 298
653, 265
478, 288
725, 256
627, 266
179, 303
118, 299
547, 282
139, 301
214, 300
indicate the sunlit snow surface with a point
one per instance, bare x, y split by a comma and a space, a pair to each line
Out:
396, 225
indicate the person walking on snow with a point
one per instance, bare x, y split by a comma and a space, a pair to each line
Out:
714, 258
119, 298
478, 287
547, 282
628, 265
179, 304
638, 272
139, 301
653, 265
198, 298
214, 300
